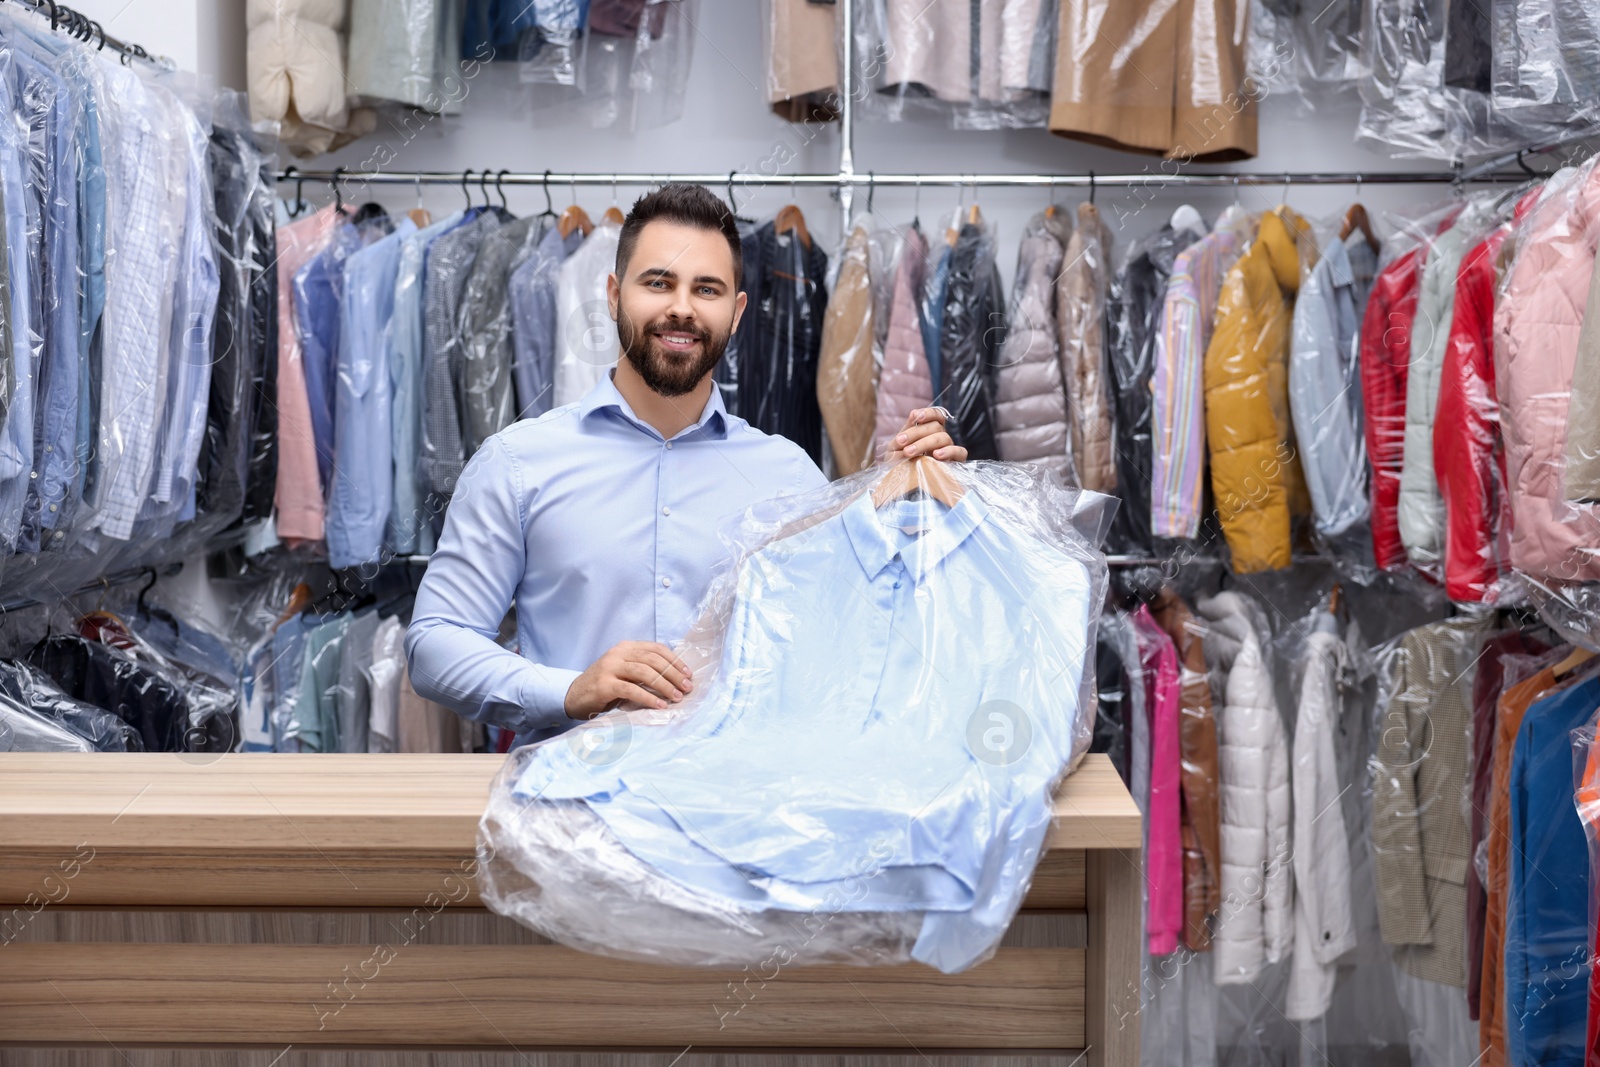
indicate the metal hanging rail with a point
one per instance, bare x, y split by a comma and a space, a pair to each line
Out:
64, 19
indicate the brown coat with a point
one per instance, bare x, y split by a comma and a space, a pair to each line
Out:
802, 60
1081, 328
1200, 822
847, 370
1165, 77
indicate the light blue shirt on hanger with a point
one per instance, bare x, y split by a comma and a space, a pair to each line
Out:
599, 531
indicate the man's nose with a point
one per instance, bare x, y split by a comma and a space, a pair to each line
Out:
682, 308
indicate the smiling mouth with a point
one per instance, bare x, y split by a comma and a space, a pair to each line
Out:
678, 342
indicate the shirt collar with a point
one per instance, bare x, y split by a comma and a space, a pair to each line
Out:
875, 549
604, 396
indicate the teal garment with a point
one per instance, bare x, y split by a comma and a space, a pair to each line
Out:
316, 714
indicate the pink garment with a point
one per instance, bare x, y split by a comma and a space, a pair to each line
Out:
1537, 323
905, 383
299, 490
1163, 865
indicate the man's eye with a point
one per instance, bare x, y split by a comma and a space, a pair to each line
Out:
706, 290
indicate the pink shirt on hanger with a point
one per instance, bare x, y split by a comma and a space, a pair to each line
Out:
1163, 867
299, 490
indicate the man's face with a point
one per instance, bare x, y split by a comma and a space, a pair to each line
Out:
676, 307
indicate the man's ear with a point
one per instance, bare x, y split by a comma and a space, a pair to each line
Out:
738, 311
613, 294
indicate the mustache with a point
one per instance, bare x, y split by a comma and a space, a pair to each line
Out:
674, 326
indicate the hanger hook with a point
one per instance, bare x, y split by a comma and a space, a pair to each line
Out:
148, 585
464, 190
1358, 186
483, 185
101, 30
1235, 190
613, 190
1091, 187
872, 187
53, 14
733, 205
338, 192
549, 205
1286, 179
500, 188
916, 201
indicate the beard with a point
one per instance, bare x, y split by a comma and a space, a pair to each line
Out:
664, 371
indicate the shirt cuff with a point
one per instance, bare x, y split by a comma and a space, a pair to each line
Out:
544, 696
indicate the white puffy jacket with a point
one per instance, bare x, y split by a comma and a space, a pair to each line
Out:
1253, 928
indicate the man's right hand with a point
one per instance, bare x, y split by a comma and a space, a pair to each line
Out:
644, 672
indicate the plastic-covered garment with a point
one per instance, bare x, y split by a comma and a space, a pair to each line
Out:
1586, 797
1301, 50
261, 475
1421, 510
626, 66
1468, 458
298, 495
1255, 927
238, 350
1167, 78
905, 383
552, 52
1030, 407
1255, 471
973, 331
23, 730
1177, 384
1546, 59
801, 49
586, 335
981, 65
30, 694
1422, 780
1201, 827
915, 840
1163, 861
484, 381
1081, 292
1548, 940
1581, 481
847, 366
1385, 356
1538, 322
407, 51
1111, 713
1134, 308
295, 65
1324, 918
1325, 387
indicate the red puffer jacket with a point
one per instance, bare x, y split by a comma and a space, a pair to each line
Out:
1385, 357
1468, 454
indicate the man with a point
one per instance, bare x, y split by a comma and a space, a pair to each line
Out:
599, 519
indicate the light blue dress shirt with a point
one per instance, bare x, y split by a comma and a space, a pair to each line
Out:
363, 450
599, 531
16, 444
409, 530
898, 691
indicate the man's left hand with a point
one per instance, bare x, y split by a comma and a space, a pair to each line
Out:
924, 435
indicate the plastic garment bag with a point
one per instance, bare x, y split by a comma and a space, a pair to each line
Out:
1081, 291
1546, 59
1133, 319
915, 839
1586, 796
1301, 50
23, 730
25, 692
1030, 402
801, 48
408, 51
625, 66
973, 331
981, 66
847, 367
1538, 325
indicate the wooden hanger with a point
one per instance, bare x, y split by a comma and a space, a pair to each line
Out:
420, 216
789, 218
1356, 219
1333, 598
1578, 658
613, 215
574, 218
923, 472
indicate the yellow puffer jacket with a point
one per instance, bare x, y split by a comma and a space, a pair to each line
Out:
1255, 474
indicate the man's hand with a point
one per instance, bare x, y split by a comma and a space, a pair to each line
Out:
644, 672
924, 435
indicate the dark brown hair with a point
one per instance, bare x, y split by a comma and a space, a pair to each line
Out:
686, 205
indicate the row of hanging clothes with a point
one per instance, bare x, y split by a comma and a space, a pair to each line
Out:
136, 216
1354, 854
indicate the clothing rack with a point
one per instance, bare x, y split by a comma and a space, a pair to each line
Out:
65, 20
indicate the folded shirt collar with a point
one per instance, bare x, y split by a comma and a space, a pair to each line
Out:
605, 397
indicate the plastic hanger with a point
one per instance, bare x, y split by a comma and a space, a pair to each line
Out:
549, 211
419, 214
923, 472
1187, 218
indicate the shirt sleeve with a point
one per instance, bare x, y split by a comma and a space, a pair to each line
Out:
471, 580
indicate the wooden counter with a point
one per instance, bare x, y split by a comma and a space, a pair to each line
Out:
327, 901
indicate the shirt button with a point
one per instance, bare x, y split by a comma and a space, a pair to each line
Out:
666, 511
897, 584
666, 583
52, 507
669, 444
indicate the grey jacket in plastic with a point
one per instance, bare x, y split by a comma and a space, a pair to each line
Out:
484, 383
1030, 404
